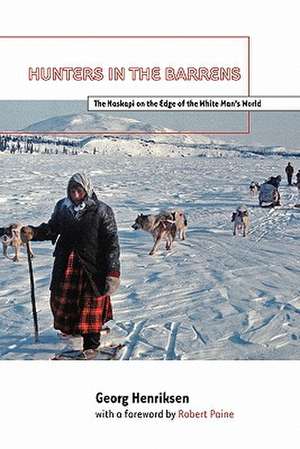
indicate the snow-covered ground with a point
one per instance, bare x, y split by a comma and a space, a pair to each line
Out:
213, 296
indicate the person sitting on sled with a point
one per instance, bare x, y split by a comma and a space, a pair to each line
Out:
274, 181
86, 268
269, 193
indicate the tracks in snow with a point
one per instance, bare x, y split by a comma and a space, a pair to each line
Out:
275, 220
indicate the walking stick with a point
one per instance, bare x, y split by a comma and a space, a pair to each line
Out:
35, 320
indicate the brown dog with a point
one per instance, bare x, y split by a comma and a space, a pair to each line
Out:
12, 237
163, 226
180, 220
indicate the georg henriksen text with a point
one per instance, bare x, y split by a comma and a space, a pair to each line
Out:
194, 73
138, 398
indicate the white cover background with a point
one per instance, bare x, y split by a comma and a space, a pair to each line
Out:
105, 53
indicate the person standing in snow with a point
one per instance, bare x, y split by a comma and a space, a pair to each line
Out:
86, 268
289, 169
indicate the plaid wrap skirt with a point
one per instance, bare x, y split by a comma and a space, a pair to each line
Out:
75, 307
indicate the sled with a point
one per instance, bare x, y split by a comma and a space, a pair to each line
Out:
103, 353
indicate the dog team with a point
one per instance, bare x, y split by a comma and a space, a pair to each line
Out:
268, 196
166, 225
163, 226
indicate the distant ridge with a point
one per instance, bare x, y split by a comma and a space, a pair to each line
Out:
92, 121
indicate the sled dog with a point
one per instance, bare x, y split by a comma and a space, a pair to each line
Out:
12, 237
180, 220
254, 188
163, 226
240, 219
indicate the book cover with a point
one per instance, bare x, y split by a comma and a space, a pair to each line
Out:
153, 172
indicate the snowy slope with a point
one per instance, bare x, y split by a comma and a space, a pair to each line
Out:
211, 297
90, 122
165, 144
97, 122
153, 142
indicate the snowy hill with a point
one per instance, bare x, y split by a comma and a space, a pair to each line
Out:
167, 145
90, 121
97, 122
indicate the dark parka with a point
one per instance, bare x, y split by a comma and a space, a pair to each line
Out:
289, 169
91, 234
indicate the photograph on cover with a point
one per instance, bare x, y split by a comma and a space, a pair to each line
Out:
166, 247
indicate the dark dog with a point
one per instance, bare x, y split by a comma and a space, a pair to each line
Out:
254, 188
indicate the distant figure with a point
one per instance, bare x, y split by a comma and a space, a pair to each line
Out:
289, 169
